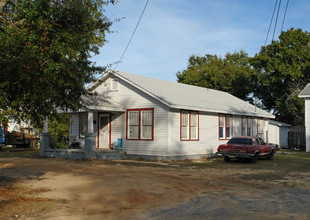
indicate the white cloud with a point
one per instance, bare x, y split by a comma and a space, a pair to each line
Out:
170, 31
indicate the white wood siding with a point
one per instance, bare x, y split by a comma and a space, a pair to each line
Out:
274, 134
307, 123
208, 136
132, 98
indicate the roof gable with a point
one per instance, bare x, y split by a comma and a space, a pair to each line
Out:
305, 93
183, 96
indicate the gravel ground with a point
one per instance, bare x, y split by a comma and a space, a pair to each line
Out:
281, 204
43, 188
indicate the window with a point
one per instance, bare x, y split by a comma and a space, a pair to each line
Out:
228, 127
250, 123
83, 124
247, 127
221, 126
260, 126
225, 127
189, 125
114, 84
147, 124
184, 125
133, 124
244, 127
140, 124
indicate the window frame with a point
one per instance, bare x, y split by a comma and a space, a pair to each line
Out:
260, 130
244, 126
224, 127
114, 84
248, 121
189, 125
140, 125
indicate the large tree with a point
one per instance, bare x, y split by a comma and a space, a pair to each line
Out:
231, 74
45, 51
282, 70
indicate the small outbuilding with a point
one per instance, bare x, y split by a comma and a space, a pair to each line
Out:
278, 133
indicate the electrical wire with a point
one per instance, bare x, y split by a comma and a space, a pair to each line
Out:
120, 59
274, 9
284, 15
275, 25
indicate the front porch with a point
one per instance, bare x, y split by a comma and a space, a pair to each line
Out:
89, 151
91, 134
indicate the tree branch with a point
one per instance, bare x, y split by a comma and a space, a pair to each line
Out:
2, 4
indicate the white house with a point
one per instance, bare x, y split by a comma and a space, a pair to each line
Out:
157, 118
278, 133
305, 93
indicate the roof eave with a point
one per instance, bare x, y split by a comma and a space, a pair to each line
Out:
219, 111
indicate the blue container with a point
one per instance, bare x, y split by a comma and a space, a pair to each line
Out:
2, 136
119, 142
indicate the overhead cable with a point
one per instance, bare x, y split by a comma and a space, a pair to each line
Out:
274, 9
284, 15
275, 25
120, 59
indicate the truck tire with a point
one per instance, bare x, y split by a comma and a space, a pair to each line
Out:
254, 158
226, 159
270, 156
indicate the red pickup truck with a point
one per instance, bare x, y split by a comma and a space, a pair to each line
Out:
246, 147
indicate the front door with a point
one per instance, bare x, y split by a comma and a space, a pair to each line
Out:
104, 130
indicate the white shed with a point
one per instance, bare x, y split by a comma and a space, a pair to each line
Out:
158, 118
278, 133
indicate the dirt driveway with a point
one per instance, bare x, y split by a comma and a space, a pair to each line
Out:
45, 188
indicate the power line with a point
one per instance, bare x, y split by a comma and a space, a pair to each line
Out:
120, 59
274, 9
275, 25
284, 15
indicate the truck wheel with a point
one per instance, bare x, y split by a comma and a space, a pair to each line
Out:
227, 159
254, 158
270, 156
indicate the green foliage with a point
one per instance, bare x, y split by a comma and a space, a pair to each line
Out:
45, 51
283, 70
231, 74
58, 127
275, 75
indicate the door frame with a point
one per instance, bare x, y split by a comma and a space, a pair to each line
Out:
109, 115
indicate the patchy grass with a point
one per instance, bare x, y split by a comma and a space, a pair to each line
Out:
9, 152
284, 161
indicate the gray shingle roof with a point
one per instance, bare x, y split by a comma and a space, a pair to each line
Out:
188, 97
305, 92
279, 124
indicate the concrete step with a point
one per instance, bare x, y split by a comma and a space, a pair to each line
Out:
110, 155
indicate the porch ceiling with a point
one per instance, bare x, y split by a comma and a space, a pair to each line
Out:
99, 103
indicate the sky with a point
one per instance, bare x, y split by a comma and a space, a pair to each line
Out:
172, 30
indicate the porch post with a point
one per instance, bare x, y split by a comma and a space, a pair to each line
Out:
44, 143
44, 138
90, 145
90, 122
45, 126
